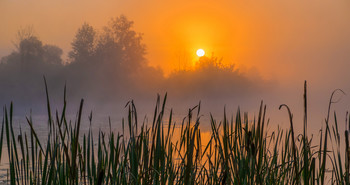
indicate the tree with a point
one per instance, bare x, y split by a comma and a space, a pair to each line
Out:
10, 59
120, 30
83, 44
31, 50
52, 55
107, 51
23, 34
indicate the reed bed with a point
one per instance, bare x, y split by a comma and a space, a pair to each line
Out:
238, 151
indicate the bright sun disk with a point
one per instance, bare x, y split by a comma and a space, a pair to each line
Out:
200, 52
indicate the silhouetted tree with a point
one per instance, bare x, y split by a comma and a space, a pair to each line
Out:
33, 53
107, 50
31, 50
120, 30
52, 54
83, 44
210, 77
22, 34
10, 59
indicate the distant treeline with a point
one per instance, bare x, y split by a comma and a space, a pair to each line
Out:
107, 65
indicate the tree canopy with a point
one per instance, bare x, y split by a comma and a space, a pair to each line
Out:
118, 44
30, 52
83, 44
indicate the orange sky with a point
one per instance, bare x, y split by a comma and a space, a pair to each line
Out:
278, 38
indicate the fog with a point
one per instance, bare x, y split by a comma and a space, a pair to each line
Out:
261, 51
109, 68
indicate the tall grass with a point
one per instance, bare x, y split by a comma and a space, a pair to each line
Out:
238, 151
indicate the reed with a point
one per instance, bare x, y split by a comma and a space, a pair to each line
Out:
238, 151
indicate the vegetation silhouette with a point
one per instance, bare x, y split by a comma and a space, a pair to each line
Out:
209, 78
237, 151
108, 65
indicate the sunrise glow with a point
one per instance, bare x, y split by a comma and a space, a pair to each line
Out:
182, 90
200, 52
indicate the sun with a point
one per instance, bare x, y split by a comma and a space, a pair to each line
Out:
200, 52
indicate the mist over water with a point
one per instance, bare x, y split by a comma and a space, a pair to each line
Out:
117, 54
109, 68
111, 65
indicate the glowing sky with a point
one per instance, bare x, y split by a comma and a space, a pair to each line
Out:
278, 38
